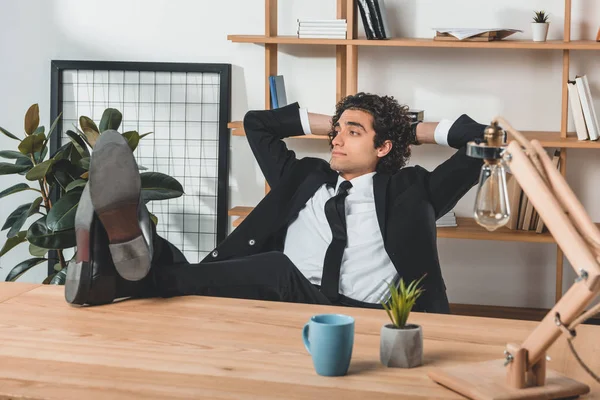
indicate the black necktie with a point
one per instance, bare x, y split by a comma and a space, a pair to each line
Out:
336, 216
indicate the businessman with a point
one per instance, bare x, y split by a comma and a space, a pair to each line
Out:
333, 233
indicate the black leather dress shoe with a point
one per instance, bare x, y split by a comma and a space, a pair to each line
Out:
91, 277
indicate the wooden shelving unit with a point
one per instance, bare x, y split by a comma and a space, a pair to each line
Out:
346, 83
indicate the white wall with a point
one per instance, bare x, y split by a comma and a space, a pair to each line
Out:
523, 86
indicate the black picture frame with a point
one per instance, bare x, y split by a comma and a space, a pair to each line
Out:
224, 70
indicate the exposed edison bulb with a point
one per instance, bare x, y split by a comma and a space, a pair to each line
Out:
492, 209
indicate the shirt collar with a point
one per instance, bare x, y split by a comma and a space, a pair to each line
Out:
363, 183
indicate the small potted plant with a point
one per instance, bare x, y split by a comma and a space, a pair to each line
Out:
402, 343
539, 26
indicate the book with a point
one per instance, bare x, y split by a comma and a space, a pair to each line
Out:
577, 111
539, 228
318, 30
514, 198
374, 18
447, 220
416, 115
476, 35
321, 21
274, 103
280, 90
587, 104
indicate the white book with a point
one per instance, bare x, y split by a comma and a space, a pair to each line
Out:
321, 36
322, 21
587, 104
310, 30
577, 112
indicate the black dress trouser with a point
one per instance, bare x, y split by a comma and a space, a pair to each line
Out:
266, 276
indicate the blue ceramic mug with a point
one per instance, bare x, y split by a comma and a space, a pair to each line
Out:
329, 339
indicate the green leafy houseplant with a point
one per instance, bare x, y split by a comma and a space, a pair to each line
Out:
401, 301
65, 172
540, 17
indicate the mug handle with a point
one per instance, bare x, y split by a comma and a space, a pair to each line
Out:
305, 338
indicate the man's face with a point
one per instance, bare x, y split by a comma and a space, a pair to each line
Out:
354, 153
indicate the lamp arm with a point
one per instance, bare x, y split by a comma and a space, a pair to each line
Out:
577, 248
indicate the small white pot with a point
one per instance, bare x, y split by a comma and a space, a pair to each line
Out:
401, 348
539, 31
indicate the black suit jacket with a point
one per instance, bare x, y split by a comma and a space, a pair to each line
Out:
407, 203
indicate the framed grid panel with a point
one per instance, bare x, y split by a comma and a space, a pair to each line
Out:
186, 107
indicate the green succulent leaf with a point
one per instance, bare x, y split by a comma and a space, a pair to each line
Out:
23, 267
32, 119
39, 171
62, 214
39, 234
12, 242
8, 169
20, 221
157, 186
401, 301
10, 135
32, 144
111, 119
145, 134
19, 187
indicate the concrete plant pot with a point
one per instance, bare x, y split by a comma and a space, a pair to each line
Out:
401, 348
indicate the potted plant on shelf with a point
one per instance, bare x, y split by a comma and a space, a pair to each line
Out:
401, 343
65, 172
539, 26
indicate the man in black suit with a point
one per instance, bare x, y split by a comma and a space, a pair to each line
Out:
327, 233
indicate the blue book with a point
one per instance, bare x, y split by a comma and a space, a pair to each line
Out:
280, 90
274, 102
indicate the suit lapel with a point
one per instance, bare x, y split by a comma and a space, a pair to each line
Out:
380, 186
308, 188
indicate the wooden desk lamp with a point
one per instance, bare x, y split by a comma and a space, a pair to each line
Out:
522, 373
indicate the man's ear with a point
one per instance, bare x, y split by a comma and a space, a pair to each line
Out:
384, 149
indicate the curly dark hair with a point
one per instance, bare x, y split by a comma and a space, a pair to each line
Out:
390, 122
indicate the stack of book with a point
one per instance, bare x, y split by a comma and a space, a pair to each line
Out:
582, 107
446, 220
523, 215
322, 28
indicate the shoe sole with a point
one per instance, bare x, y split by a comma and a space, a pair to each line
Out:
115, 188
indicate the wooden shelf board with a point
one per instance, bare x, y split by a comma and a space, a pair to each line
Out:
422, 42
467, 229
547, 139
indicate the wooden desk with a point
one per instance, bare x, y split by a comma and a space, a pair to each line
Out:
203, 347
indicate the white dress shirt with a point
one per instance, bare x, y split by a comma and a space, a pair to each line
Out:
366, 267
